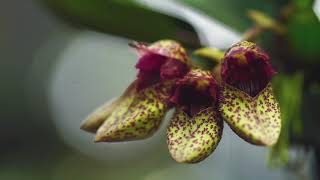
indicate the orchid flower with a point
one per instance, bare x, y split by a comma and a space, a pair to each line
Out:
247, 102
196, 127
138, 113
166, 78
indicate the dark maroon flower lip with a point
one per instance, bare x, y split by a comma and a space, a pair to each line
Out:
247, 68
154, 68
172, 69
196, 91
162, 60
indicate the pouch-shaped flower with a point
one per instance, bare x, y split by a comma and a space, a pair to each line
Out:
138, 115
247, 102
139, 111
196, 127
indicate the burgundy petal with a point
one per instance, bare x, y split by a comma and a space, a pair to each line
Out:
173, 69
150, 62
147, 78
162, 60
194, 91
246, 67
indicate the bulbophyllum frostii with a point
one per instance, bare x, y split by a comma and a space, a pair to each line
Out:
138, 113
196, 127
247, 102
167, 79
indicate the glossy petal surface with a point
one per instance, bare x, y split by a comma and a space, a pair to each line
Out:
255, 119
138, 116
192, 139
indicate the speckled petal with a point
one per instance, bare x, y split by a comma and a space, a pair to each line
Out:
192, 139
138, 116
255, 119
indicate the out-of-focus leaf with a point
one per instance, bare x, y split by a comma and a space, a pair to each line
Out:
131, 19
310, 114
211, 53
303, 32
301, 4
288, 90
315, 88
265, 21
202, 62
233, 12
125, 18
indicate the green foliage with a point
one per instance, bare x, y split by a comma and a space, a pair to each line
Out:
303, 32
124, 18
130, 19
302, 4
202, 62
231, 12
288, 90
207, 58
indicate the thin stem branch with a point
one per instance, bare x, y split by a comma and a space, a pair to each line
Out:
252, 33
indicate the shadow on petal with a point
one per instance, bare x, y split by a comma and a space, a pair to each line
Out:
192, 139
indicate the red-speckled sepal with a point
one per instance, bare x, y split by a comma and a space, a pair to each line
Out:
255, 119
98, 116
192, 139
138, 115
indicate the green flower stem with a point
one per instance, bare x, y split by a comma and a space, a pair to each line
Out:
213, 54
266, 22
252, 33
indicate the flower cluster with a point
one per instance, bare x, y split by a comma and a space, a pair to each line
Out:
167, 78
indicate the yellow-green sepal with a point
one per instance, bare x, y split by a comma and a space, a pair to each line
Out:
192, 139
255, 119
138, 115
97, 117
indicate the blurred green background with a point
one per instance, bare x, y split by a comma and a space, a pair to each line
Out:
60, 59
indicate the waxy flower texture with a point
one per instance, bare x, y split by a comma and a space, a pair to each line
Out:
167, 79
